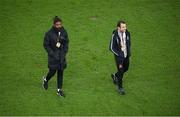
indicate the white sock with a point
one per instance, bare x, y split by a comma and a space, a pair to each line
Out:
59, 89
45, 79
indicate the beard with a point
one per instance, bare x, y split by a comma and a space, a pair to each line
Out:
57, 29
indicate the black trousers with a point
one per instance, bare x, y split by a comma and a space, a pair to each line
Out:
120, 71
59, 77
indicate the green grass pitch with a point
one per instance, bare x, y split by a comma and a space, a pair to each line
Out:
152, 82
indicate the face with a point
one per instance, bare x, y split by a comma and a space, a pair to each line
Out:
122, 27
58, 25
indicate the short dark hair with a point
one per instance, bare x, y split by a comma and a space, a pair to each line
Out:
120, 22
57, 19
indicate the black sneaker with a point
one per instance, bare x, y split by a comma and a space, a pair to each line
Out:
121, 91
113, 76
45, 83
60, 93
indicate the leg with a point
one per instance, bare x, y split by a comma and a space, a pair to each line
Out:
120, 72
126, 64
119, 83
59, 83
119, 76
59, 79
50, 74
47, 78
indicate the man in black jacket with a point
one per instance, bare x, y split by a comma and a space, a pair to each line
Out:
56, 44
120, 47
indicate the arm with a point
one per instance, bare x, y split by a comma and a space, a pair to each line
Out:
113, 47
46, 45
129, 44
66, 44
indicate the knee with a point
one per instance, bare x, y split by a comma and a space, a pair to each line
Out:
52, 72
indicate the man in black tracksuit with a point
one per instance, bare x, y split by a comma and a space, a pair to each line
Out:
120, 46
56, 44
